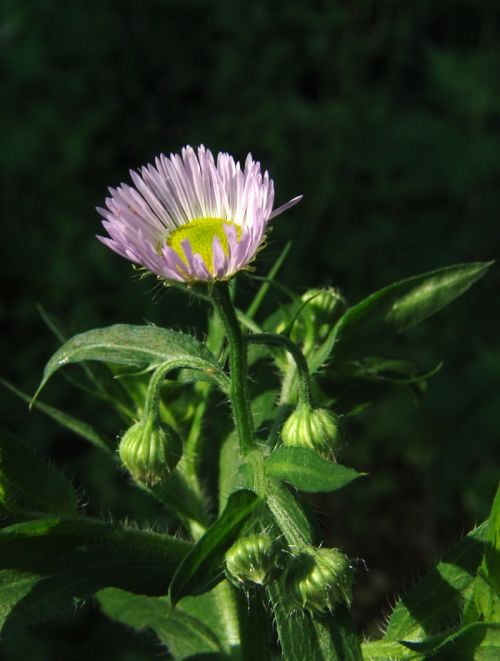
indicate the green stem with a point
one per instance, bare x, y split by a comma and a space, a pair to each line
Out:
273, 339
237, 366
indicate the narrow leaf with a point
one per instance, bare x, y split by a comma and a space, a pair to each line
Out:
79, 427
202, 568
306, 471
377, 319
28, 483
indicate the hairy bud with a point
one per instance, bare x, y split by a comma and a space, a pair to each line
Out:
319, 579
253, 559
150, 450
314, 428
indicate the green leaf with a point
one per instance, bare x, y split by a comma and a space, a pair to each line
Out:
264, 288
479, 641
176, 494
309, 638
307, 471
435, 602
142, 347
383, 650
28, 483
492, 553
217, 609
47, 565
79, 427
377, 319
202, 569
183, 634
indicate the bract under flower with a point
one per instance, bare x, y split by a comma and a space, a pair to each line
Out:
191, 217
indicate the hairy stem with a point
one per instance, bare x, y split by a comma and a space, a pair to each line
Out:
237, 365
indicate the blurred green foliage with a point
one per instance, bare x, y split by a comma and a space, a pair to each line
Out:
384, 114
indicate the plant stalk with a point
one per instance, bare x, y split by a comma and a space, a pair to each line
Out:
237, 366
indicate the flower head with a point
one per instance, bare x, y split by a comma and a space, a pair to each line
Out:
191, 217
319, 579
314, 428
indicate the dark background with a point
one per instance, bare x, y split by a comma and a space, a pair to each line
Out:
383, 113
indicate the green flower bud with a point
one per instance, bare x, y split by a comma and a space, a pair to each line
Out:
319, 579
253, 559
314, 428
150, 450
322, 308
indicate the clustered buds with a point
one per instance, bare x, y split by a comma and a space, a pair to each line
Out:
314, 428
150, 450
253, 559
319, 579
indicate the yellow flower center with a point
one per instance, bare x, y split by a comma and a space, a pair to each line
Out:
200, 233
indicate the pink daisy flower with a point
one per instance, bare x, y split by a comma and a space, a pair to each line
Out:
191, 217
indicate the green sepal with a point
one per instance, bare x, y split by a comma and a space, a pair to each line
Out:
29, 484
375, 320
142, 347
307, 471
202, 568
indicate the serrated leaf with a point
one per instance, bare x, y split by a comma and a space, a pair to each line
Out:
79, 427
142, 347
183, 634
307, 471
435, 602
28, 483
375, 320
47, 565
202, 569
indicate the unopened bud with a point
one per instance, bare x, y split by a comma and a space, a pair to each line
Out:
253, 559
321, 309
319, 579
150, 450
314, 428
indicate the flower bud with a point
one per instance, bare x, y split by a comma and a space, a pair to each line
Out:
253, 559
150, 450
322, 308
314, 428
319, 579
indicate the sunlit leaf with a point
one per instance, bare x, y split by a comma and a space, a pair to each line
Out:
142, 347
435, 602
307, 471
202, 569
375, 320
